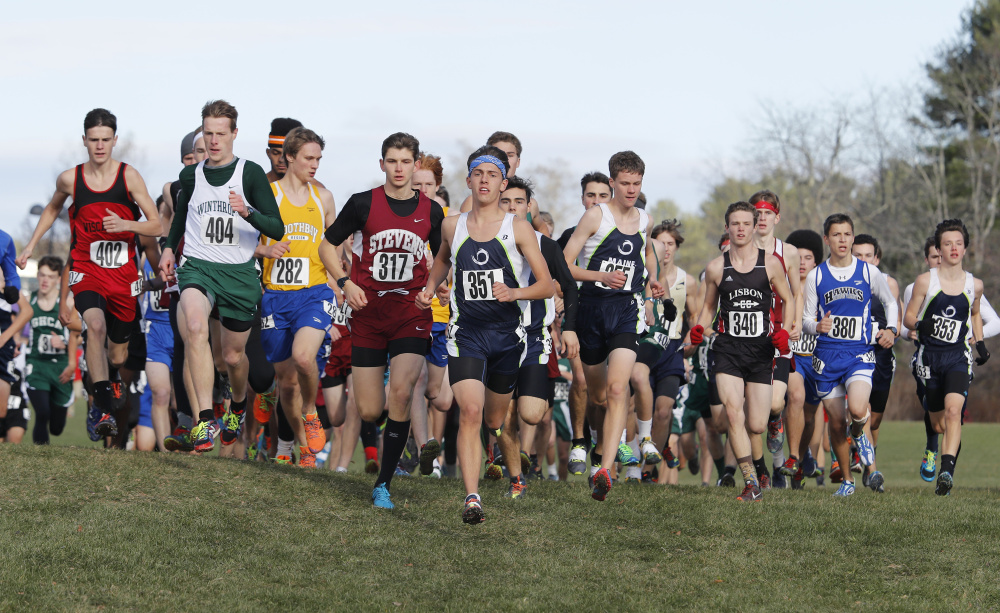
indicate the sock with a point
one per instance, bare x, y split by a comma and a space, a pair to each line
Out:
760, 466
932, 436
371, 453
552, 470
341, 469
720, 465
643, 429
579, 442
183, 421
778, 459
748, 470
622, 438
393, 443
595, 458
238, 408
958, 451
284, 448
948, 464
113, 372
593, 435
369, 434
208, 415
102, 396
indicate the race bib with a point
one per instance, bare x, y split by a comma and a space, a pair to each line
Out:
478, 284
746, 324
546, 346
946, 329
136, 287
341, 314
267, 322
846, 328
451, 332
109, 254
561, 390
661, 339
392, 267
804, 346
45, 346
818, 365
217, 231
13, 403
611, 266
290, 271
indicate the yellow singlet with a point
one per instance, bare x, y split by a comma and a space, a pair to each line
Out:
441, 314
300, 267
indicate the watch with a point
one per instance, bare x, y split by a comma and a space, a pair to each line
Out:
341, 282
894, 331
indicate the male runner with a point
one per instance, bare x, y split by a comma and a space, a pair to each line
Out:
224, 206
943, 308
10, 325
511, 146
392, 226
298, 304
492, 252
838, 297
617, 266
533, 375
741, 282
50, 367
108, 197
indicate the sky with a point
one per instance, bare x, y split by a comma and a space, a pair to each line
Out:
679, 83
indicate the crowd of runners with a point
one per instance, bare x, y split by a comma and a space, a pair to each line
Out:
243, 309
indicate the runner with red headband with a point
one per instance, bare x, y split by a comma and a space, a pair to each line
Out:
769, 206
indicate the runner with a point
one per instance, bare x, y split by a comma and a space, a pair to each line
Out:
108, 197
838, 297
618, 266
943, 309
225, 204
528, 409
492, 253
392, 226
297, 304
280, 127
511, 146
49, 371
10, 325
741, 282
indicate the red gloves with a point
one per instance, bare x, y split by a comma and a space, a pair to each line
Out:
697, 335
780, 341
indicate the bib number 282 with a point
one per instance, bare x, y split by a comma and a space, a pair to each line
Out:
290, 271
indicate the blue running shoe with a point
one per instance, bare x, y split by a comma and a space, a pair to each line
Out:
401, 471
778, 480
106, 426
865, 450
876, 481
625, 455
380, 497
93, 416
810, 469
928, 468
944, 484
846, 489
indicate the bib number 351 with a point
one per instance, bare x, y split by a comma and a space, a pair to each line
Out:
479, 283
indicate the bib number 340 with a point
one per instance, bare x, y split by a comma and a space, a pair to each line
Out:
745, 324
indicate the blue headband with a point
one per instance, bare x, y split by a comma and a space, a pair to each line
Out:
492, 160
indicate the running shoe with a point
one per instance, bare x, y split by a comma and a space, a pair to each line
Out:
263, 404
117, 394
810, 468
625, 455
775, 434
411, 457
255, 448
846, 488
203, 435
180, 441
790, 467
283, 459
371, 466
381, 498
602, 485
401, 471
436, 472
821, 480
836, 475
669, 457
535, 469
728, 478
315, 436
232, 425
694, 464
93, 416
797, 480
647, 448
765, 481
494, 467
647, 477
751, 493
525, 463
473, 512
855, 461
633, 475
778, 481
517, 488
307, 459
944, 484
106, 426
876, 481
577, 460
429, 453
865, 474
928, 468
866, 453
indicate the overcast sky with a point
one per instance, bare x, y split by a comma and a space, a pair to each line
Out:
678, 83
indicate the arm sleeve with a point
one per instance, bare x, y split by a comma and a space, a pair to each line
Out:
267, 217
9, 256
880, 290
351, 218
810, 303
559, 270
437, 217
181, 208
907, 293
991, 321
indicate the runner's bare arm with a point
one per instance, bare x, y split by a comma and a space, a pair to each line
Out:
795, 284
691, 301
713, 275
776, 274
655, 288
588, 225
64, 189
140, 194
442, 264
20, 321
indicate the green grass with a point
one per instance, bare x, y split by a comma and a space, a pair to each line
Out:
85, 529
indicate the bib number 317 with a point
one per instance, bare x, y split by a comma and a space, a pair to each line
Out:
392, 267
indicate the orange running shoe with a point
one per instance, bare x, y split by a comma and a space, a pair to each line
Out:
836, 475
315, 435
307, 459
263, 404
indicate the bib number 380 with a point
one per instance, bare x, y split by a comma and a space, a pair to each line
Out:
745, 324
392, 267
479, 283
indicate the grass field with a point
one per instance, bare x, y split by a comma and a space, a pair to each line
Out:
85, 529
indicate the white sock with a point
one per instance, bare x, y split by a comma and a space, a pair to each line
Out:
623, 436
593, 436
634, 445
779, 459
285, 448
643, 429
341, 469
552, 470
